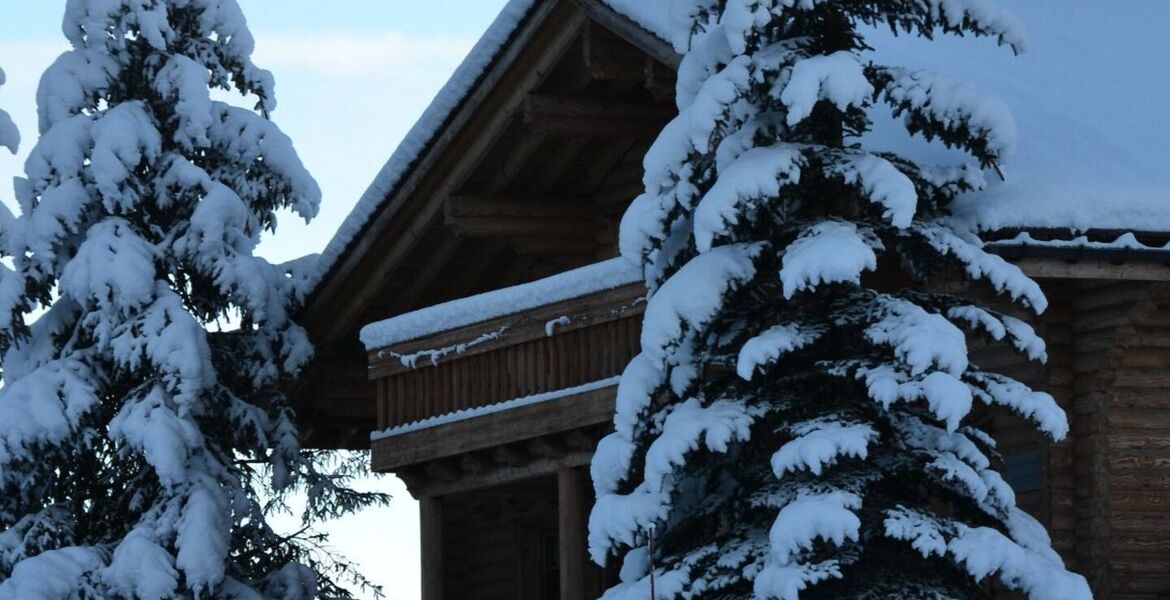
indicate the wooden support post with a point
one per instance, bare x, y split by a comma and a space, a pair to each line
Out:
571, 492
430, 516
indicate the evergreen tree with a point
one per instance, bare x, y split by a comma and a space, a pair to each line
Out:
788, 430
144, 442
9, 135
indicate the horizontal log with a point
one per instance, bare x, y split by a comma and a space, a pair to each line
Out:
1139, 542
1151, 586
1145, 356
1055, 268
1130, 460
536, 468
522, 326
1148, 522
543, 245
509, 206
1140, 480
1116, 292
581, 117
515, 226
493, 429
1155, 421
1130, 501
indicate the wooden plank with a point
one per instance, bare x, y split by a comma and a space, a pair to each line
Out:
632, 32
430, 518
525, 226
519, 206
572, 503
1052, 268
586, 311
493, 429
587, 118
502, 475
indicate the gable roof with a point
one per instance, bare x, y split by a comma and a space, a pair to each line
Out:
422, 133
1089, 98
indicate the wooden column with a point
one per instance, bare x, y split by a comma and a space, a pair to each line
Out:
430, 516
572, 501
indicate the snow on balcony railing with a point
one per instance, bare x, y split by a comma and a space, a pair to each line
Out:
605, 275
479, 411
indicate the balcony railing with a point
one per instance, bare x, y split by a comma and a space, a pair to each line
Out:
543, 355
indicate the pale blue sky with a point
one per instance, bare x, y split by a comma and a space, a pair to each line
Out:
351, 78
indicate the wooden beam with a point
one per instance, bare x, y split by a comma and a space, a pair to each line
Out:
493, 429
557, 246
546, 447
568, 153
427, 274
502, 475
517, 206
430, 521
1052, 268
607, 57
513, 227
518, 217
572, 503
581, 117
630, 31
516, 157
516, 328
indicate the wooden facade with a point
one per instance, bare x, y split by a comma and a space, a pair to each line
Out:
528, 178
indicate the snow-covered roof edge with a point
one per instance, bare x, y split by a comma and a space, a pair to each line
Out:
479, 411
600, 276
423, 133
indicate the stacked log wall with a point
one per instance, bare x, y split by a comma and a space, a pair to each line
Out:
1124, 412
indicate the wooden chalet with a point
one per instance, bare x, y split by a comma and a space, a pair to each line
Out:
487, 399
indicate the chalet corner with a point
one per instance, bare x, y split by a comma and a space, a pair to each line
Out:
473, 316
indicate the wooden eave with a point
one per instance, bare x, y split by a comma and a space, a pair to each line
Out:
1148, 263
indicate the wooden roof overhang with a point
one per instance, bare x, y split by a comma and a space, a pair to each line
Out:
1050, 256
528, 177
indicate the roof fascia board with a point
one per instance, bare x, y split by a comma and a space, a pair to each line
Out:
629, 30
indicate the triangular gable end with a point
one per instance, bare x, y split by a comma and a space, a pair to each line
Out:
520, 170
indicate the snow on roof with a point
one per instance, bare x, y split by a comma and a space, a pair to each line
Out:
468, 413
420, 136
604, 275
1088, 97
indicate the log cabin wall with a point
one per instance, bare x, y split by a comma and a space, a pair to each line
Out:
1103, 492
1121, 398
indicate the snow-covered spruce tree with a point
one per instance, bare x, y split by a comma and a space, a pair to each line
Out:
787, 430
9, 134
144, 442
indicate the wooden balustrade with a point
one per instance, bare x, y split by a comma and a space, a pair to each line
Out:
551, 347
